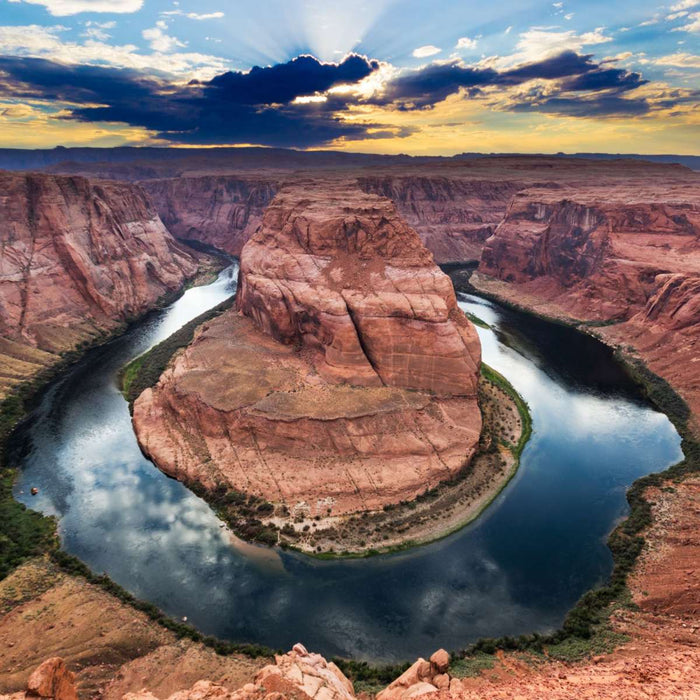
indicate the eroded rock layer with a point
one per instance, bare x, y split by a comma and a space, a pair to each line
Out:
220, 210
345, 379
626, 260
78, 258
452, 214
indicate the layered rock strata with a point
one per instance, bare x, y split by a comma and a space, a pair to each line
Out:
626, 261
220, 210
344, 380
78, 258
453, 215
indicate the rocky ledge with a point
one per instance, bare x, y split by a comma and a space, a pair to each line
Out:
345, 380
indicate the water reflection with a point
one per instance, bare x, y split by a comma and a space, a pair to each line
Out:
517, 569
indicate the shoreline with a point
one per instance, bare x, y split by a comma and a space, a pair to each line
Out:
635, 523
457, 515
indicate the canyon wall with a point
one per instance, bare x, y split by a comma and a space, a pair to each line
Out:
220, 210
625, 260
345, 380
78, 259
454, 216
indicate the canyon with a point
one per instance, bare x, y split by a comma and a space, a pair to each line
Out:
344, 380
78, 259
624, 264
611, 247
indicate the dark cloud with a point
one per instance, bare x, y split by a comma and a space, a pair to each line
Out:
574, 72
41, 78
433, 83
259, 106
255, 107
283, 82
563, 65
598, 106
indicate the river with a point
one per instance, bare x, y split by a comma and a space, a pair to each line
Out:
517, 569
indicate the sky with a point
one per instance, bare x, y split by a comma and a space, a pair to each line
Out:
434, 77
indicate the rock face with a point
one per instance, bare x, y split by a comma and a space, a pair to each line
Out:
220, 210
422, 678
78, 258
629, 256
297, 675
345, 380
453, 215
342, 274
52, 680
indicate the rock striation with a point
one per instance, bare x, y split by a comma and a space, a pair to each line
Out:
625, 260
220, 210
344, 380
453, 215
78, 259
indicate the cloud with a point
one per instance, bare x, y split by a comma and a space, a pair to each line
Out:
693, 25
258, 107
159, 40
208, 15
679, 59
96, 31
566, 72
63, 8
46, 42
538, 43
465, 43
17, 111
684, 5
192, 15
425, 51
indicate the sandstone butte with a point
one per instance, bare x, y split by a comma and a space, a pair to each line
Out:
78, 259
346, 377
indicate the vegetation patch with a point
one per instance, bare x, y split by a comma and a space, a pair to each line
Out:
476, 320
144, 371
472, 666
500, 381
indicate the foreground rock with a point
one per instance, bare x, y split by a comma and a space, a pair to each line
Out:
52, 680
298, 675
345, 380
79, 258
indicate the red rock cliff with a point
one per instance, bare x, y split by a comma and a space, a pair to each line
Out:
341, 273
78, 258
626, 255
347, 378
453, 215
220, 210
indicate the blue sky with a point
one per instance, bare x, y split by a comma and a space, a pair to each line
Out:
438, 77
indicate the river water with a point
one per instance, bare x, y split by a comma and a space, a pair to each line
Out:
517, 569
